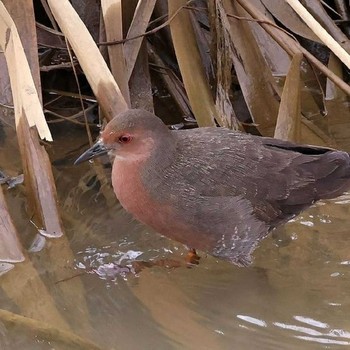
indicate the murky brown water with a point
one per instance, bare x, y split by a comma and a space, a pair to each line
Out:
296, 295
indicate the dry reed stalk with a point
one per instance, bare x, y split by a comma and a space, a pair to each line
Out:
191, 67
45, 331
95, 68
289, 114
41, 191
137, 27
320, 31
113, 21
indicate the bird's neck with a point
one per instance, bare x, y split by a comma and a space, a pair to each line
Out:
134, 181
162, 155
149, 164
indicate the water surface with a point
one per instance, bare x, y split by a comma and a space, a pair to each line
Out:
295, 295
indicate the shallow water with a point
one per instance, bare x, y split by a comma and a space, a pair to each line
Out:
295, 295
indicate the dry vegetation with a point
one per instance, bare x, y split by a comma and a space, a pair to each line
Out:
252, 65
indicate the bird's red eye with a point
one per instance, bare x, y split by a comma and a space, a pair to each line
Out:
125, 138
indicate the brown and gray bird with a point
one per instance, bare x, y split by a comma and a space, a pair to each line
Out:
214, 189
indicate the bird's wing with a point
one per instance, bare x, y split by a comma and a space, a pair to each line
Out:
278, 178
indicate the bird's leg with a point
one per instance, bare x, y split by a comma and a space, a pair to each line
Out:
138, 266
192, 258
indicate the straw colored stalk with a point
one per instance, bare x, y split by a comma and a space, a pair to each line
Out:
254, 75
190, 63
41, 191
290, 45
45, 331
138, 27
113, 21
288, 120
316, 27
95, 68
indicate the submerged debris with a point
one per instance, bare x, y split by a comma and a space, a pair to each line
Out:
11, 181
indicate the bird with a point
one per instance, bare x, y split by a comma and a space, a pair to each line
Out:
212, 188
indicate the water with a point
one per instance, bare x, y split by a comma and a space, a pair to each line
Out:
295, 295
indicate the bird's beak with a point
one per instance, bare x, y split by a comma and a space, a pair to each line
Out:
97, 150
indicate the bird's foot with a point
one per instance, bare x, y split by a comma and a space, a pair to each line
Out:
192, 258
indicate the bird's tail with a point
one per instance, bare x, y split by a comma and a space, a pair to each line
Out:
333, 175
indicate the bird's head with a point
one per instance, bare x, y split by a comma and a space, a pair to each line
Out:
130, 136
